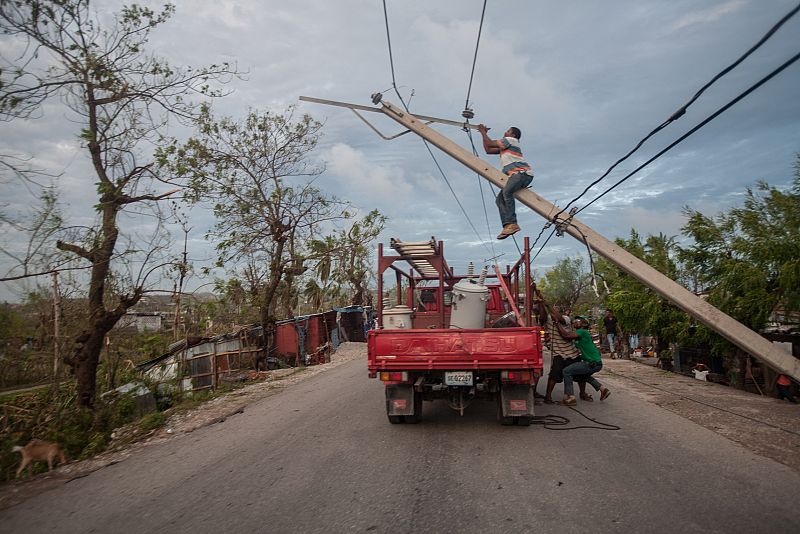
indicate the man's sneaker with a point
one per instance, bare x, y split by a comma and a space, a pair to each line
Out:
569, 400
509, 229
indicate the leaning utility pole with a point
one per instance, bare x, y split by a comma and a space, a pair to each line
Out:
725, 325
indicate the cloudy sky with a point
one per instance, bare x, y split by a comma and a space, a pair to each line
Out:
583, 80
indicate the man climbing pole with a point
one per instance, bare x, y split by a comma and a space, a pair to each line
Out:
515, 167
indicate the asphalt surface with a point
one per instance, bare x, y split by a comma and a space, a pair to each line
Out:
320, 456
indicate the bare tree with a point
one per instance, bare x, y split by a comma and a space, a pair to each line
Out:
120, 96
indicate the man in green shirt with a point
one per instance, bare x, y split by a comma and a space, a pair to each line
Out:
590, 363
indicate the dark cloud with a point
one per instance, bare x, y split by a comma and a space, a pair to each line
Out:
584, 81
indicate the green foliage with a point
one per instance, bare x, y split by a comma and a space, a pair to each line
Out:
119, 97
748, 258
637, 307
567, 284
12, 326
272, 223
152, 421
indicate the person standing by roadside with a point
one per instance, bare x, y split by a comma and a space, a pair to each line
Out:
590, 363
612, 326
784, 392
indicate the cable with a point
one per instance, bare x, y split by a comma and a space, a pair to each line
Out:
391, 59
543, 244
708, 119
682, 110
552, 422
480, 186
435, 161
754, 419
475, 57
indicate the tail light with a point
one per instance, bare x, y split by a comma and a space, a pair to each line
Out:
394, 376
516, 377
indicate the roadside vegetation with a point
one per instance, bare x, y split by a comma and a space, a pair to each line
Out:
745, 261
304, 251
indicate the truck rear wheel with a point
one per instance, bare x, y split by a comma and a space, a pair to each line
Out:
505, 421
417, 416
523, 420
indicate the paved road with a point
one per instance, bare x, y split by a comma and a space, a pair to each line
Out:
321, 457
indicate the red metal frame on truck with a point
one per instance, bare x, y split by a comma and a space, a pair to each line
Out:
429, 257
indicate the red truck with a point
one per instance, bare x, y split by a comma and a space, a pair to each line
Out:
457, 337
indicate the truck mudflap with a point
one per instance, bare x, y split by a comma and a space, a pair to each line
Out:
516, 400
400, 400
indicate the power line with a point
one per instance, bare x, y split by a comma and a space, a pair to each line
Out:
708, 119
480, 187
700, 125
682, 110
475, 57
391, 58
435, 161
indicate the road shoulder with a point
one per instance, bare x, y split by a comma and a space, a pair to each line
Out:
766, 426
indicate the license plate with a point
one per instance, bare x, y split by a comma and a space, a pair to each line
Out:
458, 378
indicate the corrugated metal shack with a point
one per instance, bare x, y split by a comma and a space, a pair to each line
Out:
203, 363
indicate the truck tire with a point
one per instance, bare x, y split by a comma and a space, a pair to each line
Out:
523, 420
417, 417
505, 421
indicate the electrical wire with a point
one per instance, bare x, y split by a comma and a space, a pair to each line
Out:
552, 422
754, 419
427, 146
682, 110
552, 232
708, 119
480, 186
475, 57
700, 125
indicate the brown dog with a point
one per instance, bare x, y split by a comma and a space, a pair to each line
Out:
37, 449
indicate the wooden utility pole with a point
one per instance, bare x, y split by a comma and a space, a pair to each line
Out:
725, 325
56, 325
183, 269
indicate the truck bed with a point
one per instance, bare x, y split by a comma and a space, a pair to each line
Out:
454, 349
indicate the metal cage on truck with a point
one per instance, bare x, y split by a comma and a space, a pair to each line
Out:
424, 357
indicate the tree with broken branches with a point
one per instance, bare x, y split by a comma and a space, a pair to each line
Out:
345, 257
259, 177
121, 96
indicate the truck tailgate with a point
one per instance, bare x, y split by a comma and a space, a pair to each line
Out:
429, 349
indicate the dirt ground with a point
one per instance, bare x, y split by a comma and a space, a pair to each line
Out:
764, 425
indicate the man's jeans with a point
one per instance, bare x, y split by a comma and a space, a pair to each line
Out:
612, 342
578, 369
505, 198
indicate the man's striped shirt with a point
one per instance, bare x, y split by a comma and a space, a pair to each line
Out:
511, 157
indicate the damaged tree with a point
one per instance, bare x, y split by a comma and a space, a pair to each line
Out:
120, 96
259, 176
